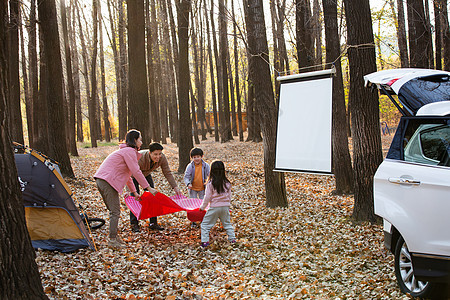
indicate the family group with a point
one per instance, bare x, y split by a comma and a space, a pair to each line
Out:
132, 167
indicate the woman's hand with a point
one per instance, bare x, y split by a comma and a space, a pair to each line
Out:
152, 190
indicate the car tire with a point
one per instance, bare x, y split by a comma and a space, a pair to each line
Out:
404, 273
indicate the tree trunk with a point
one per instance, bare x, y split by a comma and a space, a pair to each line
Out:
430, 52
342, 166
123, 101
364, 107
154, 112
171, 85
438, 34
19, 275
232, 100
71, 120
175, 59
84, 55
33, 68
213, 83
185, 132
401, 35
40, 111
138, 105
220, 114
158, 75
418, 35
305, 48
317, 32
14, 82
106, 123
284, 63
446, 35
265, 104
92, 106
193, 114
55, 97
276, 52
223, 46
236, 76
26, 89
76, 76
198, 86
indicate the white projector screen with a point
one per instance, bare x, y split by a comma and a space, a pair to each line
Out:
304, 126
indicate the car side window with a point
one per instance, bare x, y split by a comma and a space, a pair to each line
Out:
430, 144
435, 144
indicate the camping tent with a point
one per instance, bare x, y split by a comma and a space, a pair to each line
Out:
53, 220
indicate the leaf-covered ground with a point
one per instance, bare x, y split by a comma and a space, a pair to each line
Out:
310, 250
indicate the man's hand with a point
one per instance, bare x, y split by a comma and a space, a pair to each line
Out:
136, 196
177, 190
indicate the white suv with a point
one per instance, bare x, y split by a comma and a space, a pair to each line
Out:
412, 185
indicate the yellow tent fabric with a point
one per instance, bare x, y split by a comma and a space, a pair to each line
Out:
51, 223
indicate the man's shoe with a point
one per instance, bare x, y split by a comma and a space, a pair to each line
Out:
155, 226
135, 227
116, 243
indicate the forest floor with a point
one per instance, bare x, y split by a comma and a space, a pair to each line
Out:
309, 250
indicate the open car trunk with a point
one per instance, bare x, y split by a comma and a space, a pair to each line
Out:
415, 88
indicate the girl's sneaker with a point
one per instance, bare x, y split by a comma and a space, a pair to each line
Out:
204, 244
233, 241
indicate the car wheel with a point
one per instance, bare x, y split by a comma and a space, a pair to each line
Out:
404, 273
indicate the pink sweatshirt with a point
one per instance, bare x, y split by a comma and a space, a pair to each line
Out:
214, 199
118, 168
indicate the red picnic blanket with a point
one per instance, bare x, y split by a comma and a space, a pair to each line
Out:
160, 204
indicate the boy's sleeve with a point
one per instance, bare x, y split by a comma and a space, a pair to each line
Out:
187, 176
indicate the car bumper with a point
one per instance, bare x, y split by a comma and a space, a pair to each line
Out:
431, 267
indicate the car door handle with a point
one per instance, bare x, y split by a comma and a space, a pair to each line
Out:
404, 181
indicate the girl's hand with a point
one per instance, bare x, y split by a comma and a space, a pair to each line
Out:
190, 186
152, 190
